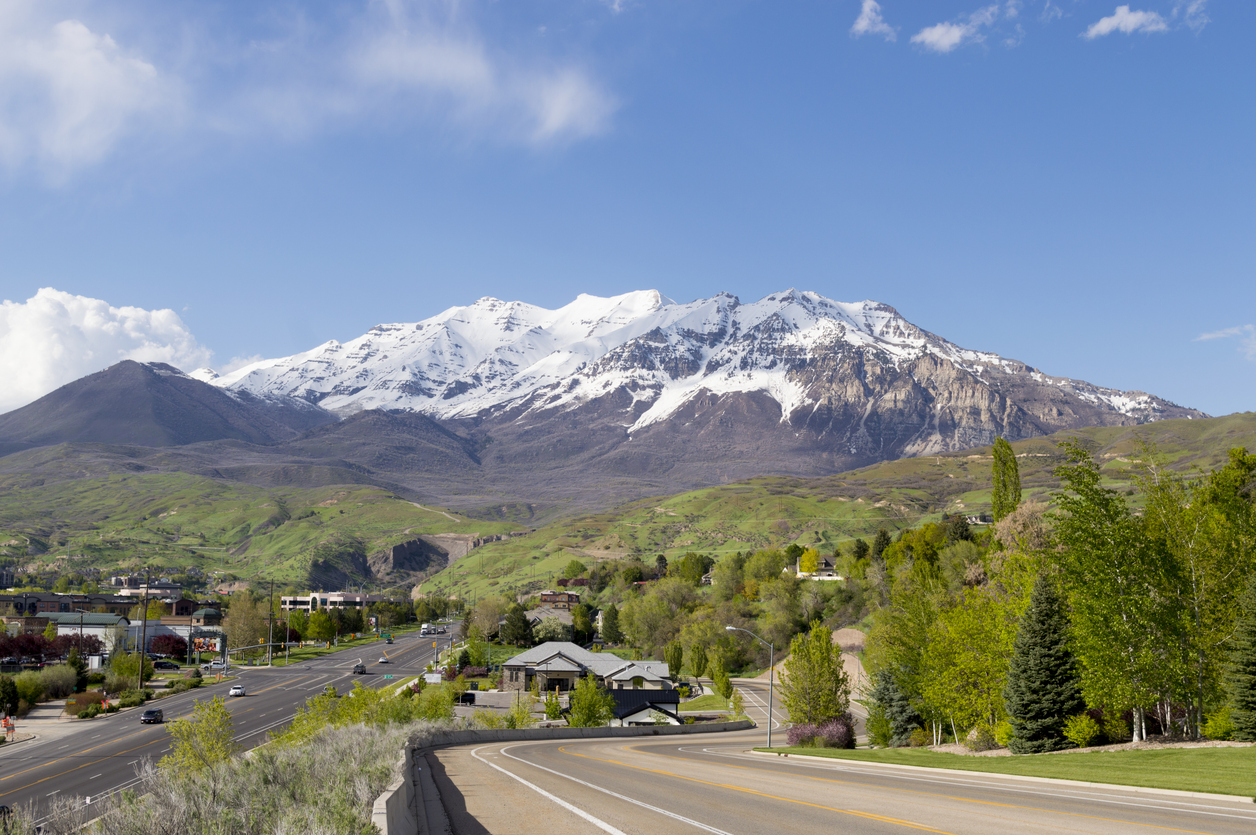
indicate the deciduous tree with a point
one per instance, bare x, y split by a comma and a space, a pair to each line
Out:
674, 655
202, 740
814, 685
1006, 494
590, 705
1240, 676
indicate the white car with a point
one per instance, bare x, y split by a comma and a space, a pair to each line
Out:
236, 690
383, 659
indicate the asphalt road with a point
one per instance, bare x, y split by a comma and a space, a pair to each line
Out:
99, 756
714, 784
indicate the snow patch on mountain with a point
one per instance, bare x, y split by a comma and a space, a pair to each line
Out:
494, 354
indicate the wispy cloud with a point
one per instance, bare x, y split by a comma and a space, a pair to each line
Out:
1050, 12
70, 94
1193, 13
947, 37
1127, 22
1246, 335
870, 22
56, 337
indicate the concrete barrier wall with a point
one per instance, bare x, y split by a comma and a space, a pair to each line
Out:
411, 804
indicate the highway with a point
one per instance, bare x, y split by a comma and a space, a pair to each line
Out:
91, 758
715, 784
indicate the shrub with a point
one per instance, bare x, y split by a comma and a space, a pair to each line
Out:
95, 679
919, 738
133, 698
802, 735
59, 681
89, 712
196, 674
880, 732
30, 686
23, 707
1081, 730
980, 738
1003, 733
115, 683
838, 732
474, 672
1220, 725
82, 701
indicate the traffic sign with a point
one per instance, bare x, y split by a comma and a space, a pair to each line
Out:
387, 677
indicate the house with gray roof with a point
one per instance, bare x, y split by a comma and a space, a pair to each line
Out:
558, 665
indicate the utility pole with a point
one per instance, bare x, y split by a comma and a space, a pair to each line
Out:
144, 631
270, 637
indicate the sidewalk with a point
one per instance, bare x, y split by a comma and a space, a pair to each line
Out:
45, 721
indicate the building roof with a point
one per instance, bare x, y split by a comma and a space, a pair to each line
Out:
559, 664
601, 664
205, 613
628, 702
638, 669
88, 619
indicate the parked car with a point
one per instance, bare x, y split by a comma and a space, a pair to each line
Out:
152, 716
214, 665
236, 690
359, 669
165, 665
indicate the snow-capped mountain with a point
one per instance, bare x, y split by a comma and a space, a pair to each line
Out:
649, 358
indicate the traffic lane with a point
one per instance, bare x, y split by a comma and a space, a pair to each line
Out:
102, 756
1061, 805
753, 795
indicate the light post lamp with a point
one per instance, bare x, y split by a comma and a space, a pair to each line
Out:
81, 612
771, 672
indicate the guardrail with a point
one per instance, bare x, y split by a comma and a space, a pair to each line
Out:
412, 803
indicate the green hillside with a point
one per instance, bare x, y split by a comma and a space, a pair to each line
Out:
822, 512
181, 521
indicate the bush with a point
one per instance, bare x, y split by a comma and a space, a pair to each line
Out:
59, 681
1081, 730
115, 683
30, 686
133, 698
83, 701
980, 738
880, 732
919, 738
474, 672
1219, 725
89, 712
1003, 733
95, 679
196, 674
23, 707
832, 733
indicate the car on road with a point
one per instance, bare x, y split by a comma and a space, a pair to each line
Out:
236, 690
383, 659
359, 669
152, 716
388, 640
165, 665
214, 665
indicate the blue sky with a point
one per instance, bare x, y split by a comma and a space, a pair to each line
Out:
1071, 183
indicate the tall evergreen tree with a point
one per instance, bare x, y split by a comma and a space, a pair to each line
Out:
517, 630
1007, 487
1240, 676
903, 718
610, 625
880, 542
1043, 688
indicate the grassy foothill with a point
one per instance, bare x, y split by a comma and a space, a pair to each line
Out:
1230, 770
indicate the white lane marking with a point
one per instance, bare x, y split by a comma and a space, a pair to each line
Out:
1066, 793
600, 824
634, 801
93, 777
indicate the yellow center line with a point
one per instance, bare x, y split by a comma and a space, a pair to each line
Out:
744, 790
68, 770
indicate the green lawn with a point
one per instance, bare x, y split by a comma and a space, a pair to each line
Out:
711, 701
1214, 770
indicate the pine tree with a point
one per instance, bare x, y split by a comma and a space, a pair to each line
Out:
610, 625
1007, 487
897, 709
880, 542
517, 630
1240, 676
1043, 688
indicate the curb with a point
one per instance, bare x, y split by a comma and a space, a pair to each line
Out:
1057, 781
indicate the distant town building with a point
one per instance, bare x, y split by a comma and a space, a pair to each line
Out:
559, 599
328, 600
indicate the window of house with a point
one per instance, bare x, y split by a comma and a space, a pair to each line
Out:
637, 682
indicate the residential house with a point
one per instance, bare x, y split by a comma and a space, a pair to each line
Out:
645, 707
560, 599
560, 664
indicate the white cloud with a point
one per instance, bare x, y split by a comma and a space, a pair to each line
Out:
445, 64
1127, 22
946, 37
68, 94
56, 337
1246, 335
1193, 13
1050, 12
870, 22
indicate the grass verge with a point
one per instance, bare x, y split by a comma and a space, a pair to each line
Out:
711, 701
1212, 770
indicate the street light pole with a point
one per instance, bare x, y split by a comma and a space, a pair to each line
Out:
771, 672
